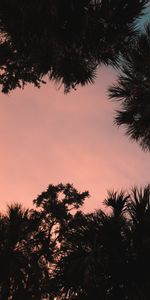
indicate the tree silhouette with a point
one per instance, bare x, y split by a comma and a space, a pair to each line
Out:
23, 272
139, 211
133, 91
30, 242
65, 40
106, 255
95, 256
58, 252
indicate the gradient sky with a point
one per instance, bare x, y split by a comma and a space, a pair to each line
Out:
48, 137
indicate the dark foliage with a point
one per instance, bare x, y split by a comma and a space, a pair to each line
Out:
30, 242
21, 275
58, 252
133, 91
65, 40
106, 256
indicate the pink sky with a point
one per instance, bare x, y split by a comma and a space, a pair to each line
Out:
48, 137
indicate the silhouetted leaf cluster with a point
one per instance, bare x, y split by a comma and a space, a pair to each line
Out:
133, 90
65, 40
56, 251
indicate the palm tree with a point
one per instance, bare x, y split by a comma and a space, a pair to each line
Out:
12, 260
58, 252
107, 255
133, 91
21, 275
139, 214
94, 255
65, 40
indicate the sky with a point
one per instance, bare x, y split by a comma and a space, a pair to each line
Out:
48, 137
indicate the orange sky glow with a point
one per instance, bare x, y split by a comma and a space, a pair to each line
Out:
48, 137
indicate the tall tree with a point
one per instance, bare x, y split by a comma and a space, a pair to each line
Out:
65, 40
58, 252
20, 274
139, 214
24, 261
107, 255
133, 91
30, 242
95, 254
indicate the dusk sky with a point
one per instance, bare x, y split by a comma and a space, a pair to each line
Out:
48, 137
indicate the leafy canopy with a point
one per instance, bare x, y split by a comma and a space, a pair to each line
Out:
133, 90
55, 251
65, 40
